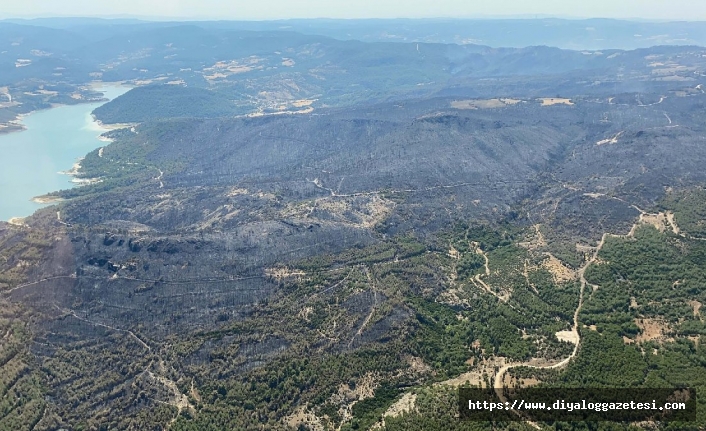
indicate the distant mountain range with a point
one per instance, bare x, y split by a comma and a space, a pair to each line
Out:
579, 34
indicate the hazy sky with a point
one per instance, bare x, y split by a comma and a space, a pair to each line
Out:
278, 9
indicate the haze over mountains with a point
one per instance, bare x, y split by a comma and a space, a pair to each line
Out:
262, 71
577, 34
322, 224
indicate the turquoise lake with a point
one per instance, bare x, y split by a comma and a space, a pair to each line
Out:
55, 139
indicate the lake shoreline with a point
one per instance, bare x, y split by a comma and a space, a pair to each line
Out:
16, 125
47, 200
112, 126
17, 221
70, 132
74, 174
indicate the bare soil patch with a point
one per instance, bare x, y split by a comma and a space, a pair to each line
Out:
303, 102
672, 222
568, 336
583, 248
696, 305
17, 221
303, 417
652, 329
613, 140
417, 365
560, 272
485, 369
47, 199
406, 404
535, 241
549, 101
659, 221
454, 297
237, 192
511, 101
346, 397
351, 211
453, 253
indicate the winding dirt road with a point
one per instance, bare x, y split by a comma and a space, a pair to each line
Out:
499, 377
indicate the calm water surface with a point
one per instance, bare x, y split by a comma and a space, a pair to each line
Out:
31, 160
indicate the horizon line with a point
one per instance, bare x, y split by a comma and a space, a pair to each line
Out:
528, 17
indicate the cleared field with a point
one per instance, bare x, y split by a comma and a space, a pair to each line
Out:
549, 101
302, 103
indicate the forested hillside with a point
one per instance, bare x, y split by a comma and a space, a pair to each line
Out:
159, 101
